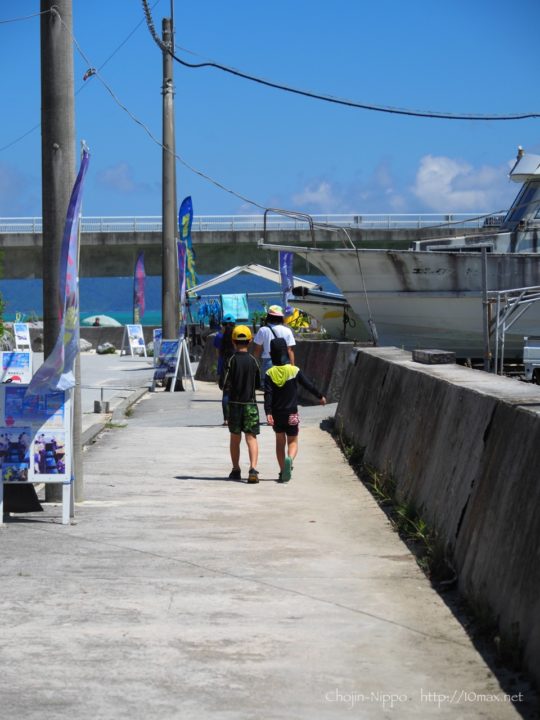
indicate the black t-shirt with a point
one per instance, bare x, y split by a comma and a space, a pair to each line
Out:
242, 378
281, 389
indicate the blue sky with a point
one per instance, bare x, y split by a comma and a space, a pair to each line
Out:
274, 148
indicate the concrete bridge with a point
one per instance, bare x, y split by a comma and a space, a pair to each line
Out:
109, 246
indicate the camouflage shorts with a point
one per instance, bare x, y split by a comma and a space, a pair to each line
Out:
243, 418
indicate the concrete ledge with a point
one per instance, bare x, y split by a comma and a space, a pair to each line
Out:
90, 434
117, 416
119, 412
464, 448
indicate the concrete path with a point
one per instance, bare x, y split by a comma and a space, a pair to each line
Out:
107, 378
176, 593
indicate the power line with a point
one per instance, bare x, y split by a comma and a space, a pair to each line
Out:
25, 17
329, 98
21, 137
128, 37
137, 26
158, 142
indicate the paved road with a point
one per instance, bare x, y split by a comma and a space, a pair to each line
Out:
176, 593
104, 377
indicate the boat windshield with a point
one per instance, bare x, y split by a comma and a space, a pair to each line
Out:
527, 204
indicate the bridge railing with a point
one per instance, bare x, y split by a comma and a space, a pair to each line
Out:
222, 223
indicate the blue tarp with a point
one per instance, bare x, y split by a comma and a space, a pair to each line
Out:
236, 305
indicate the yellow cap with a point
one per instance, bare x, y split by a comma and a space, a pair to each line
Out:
241, 332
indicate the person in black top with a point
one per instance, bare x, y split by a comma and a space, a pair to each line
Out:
281, 407
242, 378
225, 350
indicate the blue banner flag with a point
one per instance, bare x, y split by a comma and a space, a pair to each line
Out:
56, 373
287, 282
185, 219
139, 277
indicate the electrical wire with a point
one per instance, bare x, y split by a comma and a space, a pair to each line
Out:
26, 17
85, 84
137, 26
329, 98
33, 129
21, 137
158, 142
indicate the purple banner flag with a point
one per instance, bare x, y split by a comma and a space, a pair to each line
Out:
56, 373
287, 282
182, 280
139, 277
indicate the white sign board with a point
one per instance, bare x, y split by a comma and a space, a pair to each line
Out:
21, 332
133, 341
16, 366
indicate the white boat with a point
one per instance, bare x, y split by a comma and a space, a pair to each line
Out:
431, 296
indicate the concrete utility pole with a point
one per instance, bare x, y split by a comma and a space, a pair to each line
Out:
57, 179
169, 258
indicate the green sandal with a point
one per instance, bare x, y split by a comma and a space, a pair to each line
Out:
287, 469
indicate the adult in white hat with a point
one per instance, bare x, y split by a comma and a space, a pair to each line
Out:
273, 328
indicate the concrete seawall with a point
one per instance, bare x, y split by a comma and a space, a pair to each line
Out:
95, 335
463, 447
325, 362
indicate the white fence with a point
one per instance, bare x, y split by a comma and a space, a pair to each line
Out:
255, 222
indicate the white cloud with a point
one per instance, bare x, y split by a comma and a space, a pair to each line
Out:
377, 194
121, 178
446, 185
317, 198
398, 203
442, 184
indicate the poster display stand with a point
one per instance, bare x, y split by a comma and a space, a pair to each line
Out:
35, 441
21, 333
173, 359
133, 341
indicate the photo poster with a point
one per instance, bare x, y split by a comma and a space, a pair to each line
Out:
21, 333
35, 437
167, 361
134, 341
16, 366
157, 336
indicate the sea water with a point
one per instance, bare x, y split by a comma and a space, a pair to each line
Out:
113, 296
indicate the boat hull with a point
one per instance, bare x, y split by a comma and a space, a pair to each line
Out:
430, 299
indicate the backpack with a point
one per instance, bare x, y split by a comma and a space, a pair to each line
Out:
278, 345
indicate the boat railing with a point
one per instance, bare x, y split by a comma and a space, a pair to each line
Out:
507, 306
228, 223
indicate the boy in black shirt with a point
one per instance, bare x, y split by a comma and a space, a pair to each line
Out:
242, 378
281, 407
